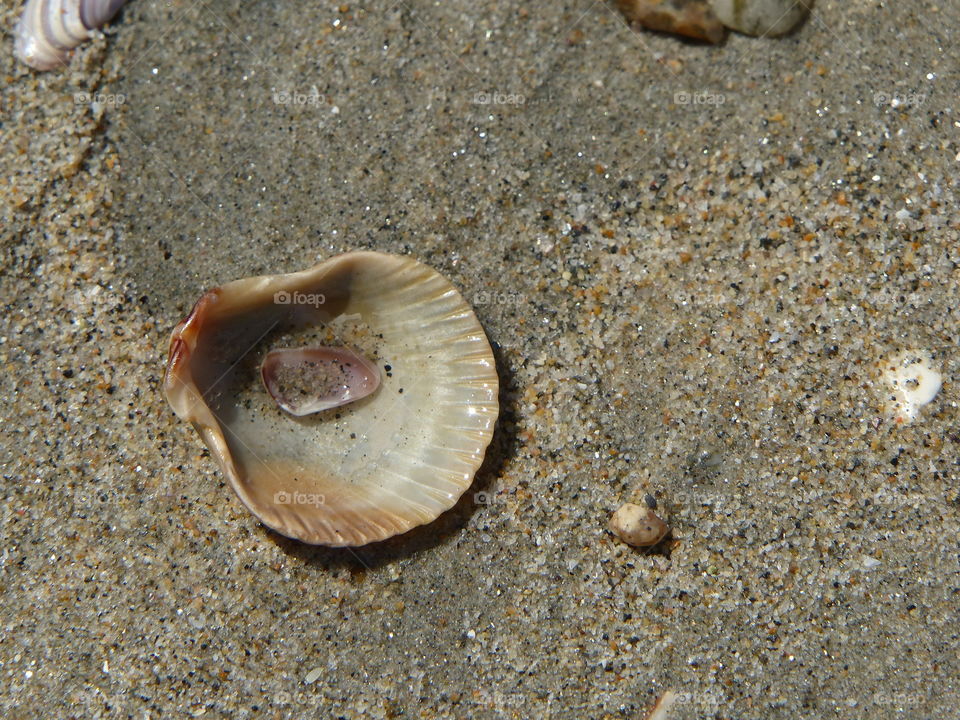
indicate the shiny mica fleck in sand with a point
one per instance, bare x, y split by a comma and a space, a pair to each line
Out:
346, 403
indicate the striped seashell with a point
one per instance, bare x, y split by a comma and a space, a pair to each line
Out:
49, 29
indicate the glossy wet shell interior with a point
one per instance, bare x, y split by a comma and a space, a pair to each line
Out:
364, 471
303, 381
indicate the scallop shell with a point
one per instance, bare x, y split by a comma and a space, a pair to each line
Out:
365, 471
49, 29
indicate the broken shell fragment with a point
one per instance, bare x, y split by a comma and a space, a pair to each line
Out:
761, 17
307, 380
638, 526
914, 381
363, 471
692, 18
661, 709
705, 19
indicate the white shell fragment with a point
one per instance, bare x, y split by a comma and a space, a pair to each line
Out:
661, 710
49, 29
761, 17
638, 526
914, 382
362, 471
307, 380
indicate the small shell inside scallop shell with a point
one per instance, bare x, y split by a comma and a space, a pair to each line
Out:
307, 380
365, 470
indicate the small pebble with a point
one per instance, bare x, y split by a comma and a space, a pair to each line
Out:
638, 526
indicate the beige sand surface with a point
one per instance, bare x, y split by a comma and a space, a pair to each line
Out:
693, 262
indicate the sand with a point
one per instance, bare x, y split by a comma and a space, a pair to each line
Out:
695, 264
